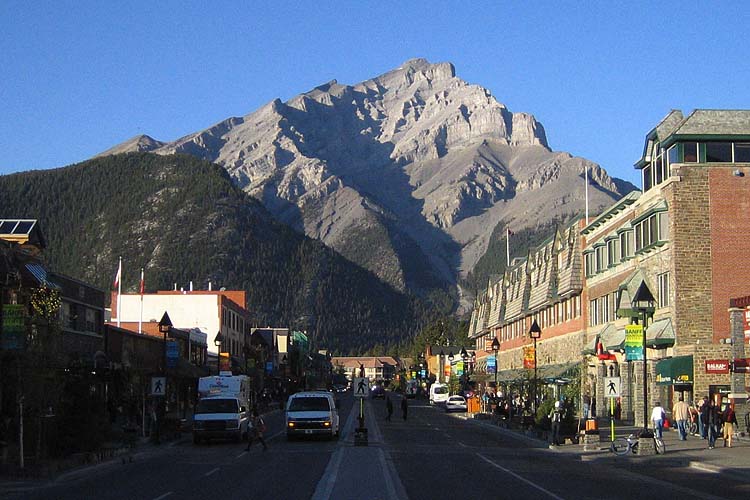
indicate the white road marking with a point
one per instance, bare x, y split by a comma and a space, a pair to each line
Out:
165, 495
241, 454
211, 472
518, 477
464, 445
328, 481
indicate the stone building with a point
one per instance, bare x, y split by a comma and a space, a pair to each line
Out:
682, 235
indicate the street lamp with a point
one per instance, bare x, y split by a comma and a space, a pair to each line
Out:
465, 359
218, 341
495, 348
441, 375
535, 332
644, 303
164, 325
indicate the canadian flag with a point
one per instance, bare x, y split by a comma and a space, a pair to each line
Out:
118, 276
142, 282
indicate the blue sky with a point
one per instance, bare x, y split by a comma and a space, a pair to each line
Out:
79, 77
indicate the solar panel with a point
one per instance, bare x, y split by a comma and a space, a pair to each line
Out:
24, 227
6, 226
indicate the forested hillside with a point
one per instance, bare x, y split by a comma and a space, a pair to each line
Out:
182, 219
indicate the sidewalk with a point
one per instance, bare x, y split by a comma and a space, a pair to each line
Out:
693, 453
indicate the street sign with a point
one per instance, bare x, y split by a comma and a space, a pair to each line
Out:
173, 353
158, 386
612, 387
361, 387
634, 342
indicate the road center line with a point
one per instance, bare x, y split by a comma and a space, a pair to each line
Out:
211, 472
165, 495
518, 477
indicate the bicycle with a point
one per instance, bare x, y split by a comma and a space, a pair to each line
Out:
621, 446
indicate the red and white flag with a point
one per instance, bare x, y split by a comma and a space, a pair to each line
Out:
142, 282
118, 276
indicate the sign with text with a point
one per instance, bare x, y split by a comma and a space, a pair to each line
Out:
529, 355
12, 332
634, 342
491, 366
717, 366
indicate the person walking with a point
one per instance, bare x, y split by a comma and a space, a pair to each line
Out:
681, 415
555, 417
404, 407
657, 417
703, 418
730, 420
255, 430
388, 408
712, 422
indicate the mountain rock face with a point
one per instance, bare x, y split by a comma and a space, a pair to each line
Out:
406, 174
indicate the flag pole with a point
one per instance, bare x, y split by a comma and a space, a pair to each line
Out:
507, 247
586, 178
140, 319
119, 293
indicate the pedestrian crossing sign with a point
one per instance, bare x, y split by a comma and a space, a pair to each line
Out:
612, 387
158, 386
361, 387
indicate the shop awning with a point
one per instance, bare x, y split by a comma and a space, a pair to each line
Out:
675, 371
660, 334
590, 348
612, 339
560, 373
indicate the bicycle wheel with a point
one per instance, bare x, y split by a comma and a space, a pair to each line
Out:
619, 446
660, 448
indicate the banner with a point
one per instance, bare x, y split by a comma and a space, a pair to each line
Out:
634, 342
529, 354
13, 333
491, 366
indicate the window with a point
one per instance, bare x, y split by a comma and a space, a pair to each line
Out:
613, 254
626, 245
647, 184
742, 153
589, 262
601, 258
664, 298
719, 152
673, 154
651, 230
690, 152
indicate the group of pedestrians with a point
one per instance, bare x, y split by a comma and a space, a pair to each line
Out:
712, 422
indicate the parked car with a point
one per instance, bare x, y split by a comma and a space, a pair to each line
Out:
377, 391
455, 403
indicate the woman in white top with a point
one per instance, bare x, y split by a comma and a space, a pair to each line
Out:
657, 417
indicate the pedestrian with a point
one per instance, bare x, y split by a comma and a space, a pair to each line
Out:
712, 422
555, 417
256, 428
657, 417
730, 420
703, 417
404, 407
681, 415
388, 408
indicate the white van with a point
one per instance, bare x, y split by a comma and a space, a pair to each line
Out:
312, 413
438, 394
223, 410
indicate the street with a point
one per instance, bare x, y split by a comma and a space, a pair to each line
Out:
431, 455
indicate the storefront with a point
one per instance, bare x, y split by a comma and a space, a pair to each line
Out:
674, 376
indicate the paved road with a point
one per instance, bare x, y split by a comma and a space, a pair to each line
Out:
431, 455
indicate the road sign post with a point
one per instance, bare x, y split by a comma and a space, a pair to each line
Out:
361, 388
612, 391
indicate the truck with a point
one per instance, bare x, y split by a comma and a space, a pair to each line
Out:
223, 409
438, 394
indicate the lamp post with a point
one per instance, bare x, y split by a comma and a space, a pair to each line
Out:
441, 375
495, 348
465, 359
164, 325
644, 303
535, 332
217, 342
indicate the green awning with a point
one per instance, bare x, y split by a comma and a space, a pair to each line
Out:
675, 371
560, 373
590, 348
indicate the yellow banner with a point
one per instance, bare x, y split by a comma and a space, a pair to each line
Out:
529, 354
